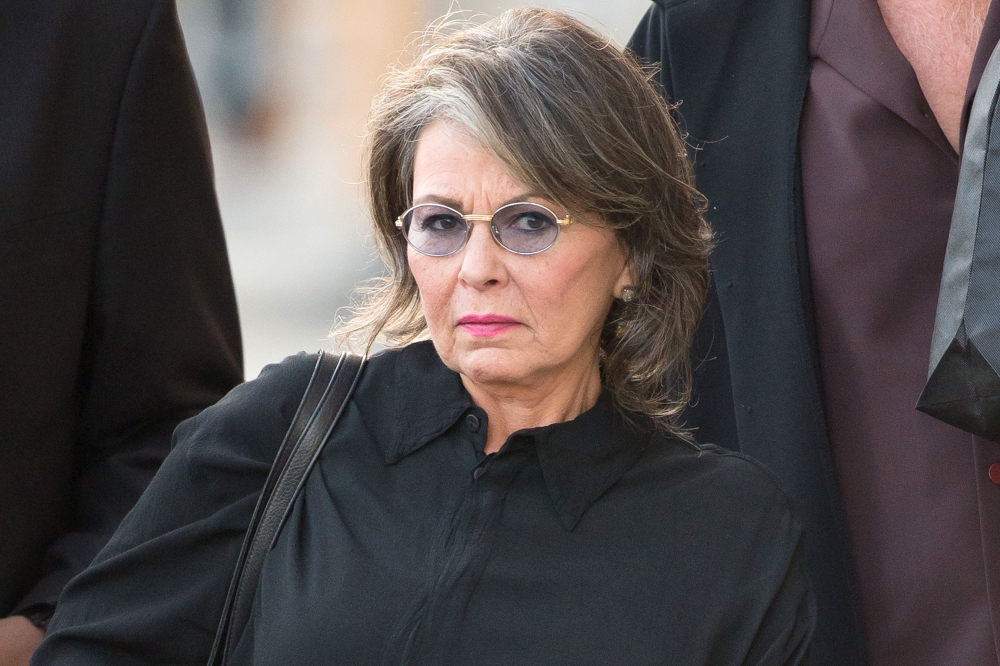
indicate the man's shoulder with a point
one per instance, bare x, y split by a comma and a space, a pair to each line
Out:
86, 47
111, 20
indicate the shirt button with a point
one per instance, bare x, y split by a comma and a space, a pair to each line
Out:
478, 472
995, 473
472, 423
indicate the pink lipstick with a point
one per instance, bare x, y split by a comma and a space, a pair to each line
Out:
487, 325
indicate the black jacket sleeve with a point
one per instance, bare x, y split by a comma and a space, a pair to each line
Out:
161, 338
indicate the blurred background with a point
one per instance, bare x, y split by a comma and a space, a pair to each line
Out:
286, 86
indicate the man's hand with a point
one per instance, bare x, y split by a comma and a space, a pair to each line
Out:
18, 640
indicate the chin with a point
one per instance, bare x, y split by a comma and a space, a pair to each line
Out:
493, 365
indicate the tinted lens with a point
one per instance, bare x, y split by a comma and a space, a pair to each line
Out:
434, 230
526, 228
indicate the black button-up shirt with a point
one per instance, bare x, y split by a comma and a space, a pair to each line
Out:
586, 542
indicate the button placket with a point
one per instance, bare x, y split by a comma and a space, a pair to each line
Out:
480, 469
463, 556
473, 425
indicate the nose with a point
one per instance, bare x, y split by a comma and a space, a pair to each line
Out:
482, 259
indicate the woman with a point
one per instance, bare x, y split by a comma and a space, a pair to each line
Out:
516, 489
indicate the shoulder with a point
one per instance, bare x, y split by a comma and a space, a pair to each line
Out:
251, 420
409, 389
410, 379
401, 383
405, 397
735, 467
415, 367
716, 484
682, 27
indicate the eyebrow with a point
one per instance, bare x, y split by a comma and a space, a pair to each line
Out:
457, 205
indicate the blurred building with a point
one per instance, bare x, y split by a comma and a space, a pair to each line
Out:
286, 85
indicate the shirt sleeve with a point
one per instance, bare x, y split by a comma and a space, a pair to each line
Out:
781, 599
785, 634
162, 337
154, 595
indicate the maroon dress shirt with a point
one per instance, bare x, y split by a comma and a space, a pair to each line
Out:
879, 180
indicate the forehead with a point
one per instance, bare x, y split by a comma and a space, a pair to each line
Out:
451, 164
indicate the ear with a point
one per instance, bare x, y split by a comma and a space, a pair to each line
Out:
625, 278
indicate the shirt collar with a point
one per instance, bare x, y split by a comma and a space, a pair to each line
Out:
417, 397
580, 459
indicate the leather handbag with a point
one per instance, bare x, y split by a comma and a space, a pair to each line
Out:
963, 385
325, 398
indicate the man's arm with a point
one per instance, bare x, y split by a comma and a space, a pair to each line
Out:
162, 339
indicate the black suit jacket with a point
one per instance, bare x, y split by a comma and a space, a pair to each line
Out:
740, 70
117, 312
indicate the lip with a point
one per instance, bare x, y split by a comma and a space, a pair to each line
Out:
487, 325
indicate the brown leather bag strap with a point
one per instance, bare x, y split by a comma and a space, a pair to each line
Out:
326, 396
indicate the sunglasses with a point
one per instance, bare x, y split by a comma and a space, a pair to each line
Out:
521, 228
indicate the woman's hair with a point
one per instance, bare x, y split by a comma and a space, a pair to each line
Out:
578, 122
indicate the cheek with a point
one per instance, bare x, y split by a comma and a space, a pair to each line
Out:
434, 284
572, 298
582, 288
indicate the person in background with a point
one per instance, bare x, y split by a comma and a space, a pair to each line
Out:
117, 311
514, 489
825, 136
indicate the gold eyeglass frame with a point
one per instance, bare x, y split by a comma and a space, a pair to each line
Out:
494, 232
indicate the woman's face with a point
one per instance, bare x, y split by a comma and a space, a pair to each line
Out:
496, 317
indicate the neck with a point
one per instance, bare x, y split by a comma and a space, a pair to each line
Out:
554, 398
939, 38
